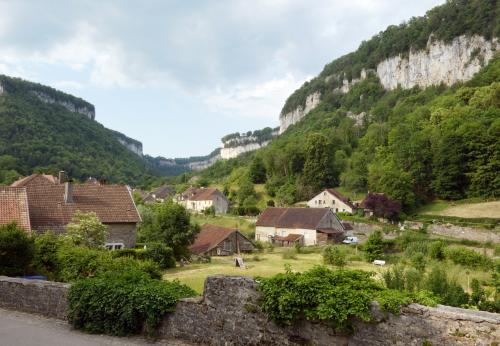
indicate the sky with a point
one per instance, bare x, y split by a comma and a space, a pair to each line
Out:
179, 75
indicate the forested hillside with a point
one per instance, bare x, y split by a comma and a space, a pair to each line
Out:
37, 136
415, 145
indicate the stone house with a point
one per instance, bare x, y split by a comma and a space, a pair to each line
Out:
52, 206
14, 207
330, 198
317, 226
220, 241
199, 199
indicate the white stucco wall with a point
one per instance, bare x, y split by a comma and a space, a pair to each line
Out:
262, 233
327, 200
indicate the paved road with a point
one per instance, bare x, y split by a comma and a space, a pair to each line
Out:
21, 329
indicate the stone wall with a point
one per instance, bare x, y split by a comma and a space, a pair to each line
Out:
34, 296
460, 232
122, 233
229, 314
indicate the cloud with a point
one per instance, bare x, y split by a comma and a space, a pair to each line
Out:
260, 100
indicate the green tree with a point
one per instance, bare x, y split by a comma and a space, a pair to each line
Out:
374, 246
16, 250
87, 230
335, 255
257, 171
318, 167
169, 223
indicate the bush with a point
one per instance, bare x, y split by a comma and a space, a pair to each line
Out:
467, 257
374, 246
77, 263
160, 254
16, 250
335, 255
449, 291
436, 250
321, 294
45, 255
122, 303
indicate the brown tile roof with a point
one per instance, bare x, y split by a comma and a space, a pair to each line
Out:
163, 191
307, 218
209, 237
35, 179
14, 206
201, 194
341, 197
111, 203
347, 226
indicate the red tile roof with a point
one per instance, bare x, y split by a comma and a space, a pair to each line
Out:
341, 197
209, 237
14, 206
35, 179
306, 218
111, 203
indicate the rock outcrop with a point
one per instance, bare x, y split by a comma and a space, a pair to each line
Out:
439, 62
298, 113
232, 152
89, 112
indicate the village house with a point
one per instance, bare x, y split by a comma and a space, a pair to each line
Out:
200, 199
51, 206
330, 198
220, 241
317, 226
160, 194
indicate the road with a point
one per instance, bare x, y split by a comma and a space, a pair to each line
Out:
22, 329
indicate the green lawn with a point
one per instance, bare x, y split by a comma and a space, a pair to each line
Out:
269, 264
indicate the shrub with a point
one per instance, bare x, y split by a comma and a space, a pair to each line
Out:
321, 294
77, 263
467, 257
16, 250
122, 303
45, 254
374, 246
160, 254
449, 291
418, 261
436, 250
417, 247
86, 229
335, 255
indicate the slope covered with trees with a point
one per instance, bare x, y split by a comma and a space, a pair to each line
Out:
415, 145
40, 137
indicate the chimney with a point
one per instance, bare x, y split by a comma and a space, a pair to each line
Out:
68, 192
62, 177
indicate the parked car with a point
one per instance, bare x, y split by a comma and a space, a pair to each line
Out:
350, 240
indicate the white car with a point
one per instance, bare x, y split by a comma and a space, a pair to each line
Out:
350, 240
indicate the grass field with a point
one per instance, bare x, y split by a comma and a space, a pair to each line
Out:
269, 264
245, 224
463, 209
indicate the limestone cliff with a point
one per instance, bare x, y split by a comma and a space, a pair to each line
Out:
232, 152
439, 62
131, 144
88, 111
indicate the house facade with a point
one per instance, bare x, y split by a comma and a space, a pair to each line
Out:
330, 198
52, 205
315, 226
200, 199
220, 241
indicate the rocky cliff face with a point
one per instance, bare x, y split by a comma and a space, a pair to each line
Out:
440, 62
232, 152
87, 111
1, 89
132, 146
298, 113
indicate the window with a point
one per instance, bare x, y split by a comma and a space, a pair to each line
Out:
114, 246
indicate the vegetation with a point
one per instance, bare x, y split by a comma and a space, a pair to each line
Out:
41, 137
122, 303
16, 250
335, 255
321, 294
87, 230
168, 223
